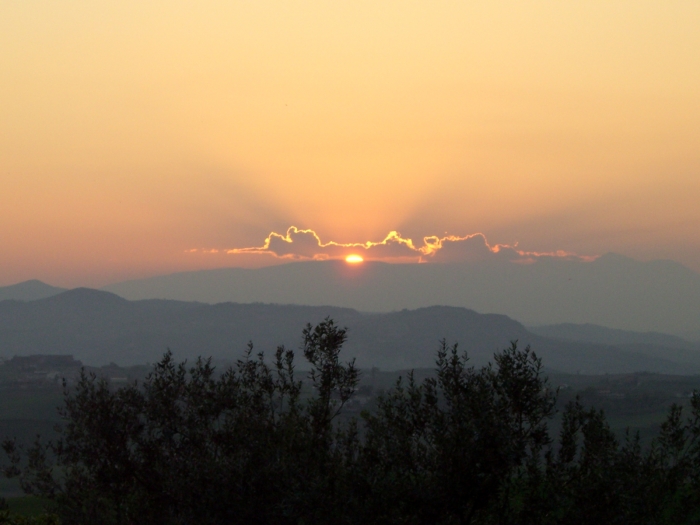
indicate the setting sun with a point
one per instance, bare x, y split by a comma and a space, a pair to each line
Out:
354, 259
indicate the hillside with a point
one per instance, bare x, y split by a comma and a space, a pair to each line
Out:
614, 291
28, 291
99, 327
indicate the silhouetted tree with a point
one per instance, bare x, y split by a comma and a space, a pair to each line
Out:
443, 451
190, 447
256, 445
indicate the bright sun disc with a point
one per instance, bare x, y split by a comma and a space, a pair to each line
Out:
353, 259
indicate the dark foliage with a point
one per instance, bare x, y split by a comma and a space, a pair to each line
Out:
256, 445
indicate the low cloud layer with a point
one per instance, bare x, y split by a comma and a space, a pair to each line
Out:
298, 244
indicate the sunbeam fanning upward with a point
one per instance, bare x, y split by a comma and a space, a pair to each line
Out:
131, 131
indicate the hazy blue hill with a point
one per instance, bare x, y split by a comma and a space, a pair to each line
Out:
28, 291
591, 333
99, 327
650, 344
67, 311
84, 322
692, 335
409, 338
660, 296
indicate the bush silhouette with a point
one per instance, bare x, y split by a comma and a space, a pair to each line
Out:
256, 445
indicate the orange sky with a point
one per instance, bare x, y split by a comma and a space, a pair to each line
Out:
131, 132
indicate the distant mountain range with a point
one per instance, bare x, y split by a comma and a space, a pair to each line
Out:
28, 291
613, 290
590, 333
98, 327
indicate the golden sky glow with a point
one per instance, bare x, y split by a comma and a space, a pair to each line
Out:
132, 132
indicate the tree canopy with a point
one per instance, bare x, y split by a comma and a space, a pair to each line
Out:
256, 444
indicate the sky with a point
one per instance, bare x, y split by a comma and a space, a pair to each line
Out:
143, 138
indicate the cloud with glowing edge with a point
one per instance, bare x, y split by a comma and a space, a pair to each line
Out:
305, 244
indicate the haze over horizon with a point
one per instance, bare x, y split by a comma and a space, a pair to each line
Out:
136, 138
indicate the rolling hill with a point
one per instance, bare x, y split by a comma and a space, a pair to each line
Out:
28, 291
613, 290
100, 327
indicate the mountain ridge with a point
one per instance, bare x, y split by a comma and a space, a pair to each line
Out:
29, 291
98, 328
613, 290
